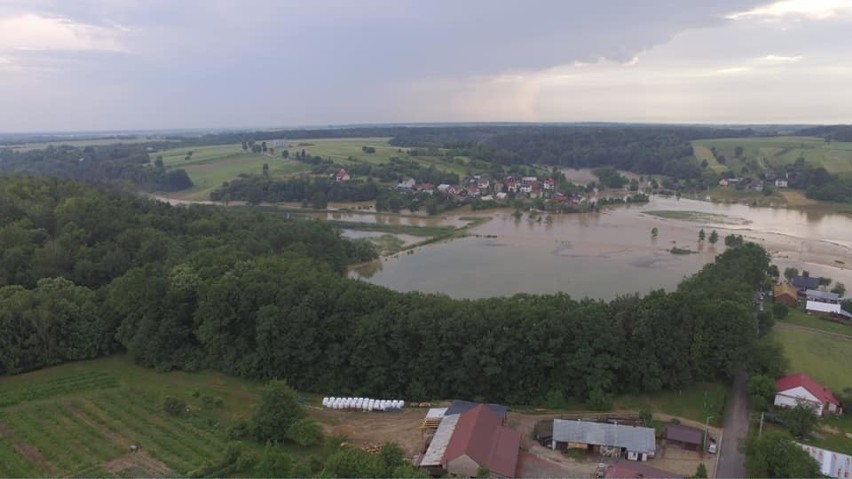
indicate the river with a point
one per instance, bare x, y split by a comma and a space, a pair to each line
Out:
602, 255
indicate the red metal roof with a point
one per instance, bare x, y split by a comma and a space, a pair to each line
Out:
480, 435
800, 379
632, 469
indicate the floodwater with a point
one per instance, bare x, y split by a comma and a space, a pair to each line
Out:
602, 255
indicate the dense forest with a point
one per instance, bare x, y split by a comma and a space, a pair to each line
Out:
829, 132
87, 272
118, 163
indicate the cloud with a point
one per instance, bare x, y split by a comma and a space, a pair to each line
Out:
811, 9
8, 65
35, 32
778, 59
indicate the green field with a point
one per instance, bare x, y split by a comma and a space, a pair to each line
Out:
818, 355
760, 154
79, 143
800, 318
79, 420
697, 217
210, 166
696, 403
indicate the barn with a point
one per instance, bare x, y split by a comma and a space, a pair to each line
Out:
612, 440
687, 437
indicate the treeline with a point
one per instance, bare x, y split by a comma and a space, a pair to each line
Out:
818, 183
262, 297
829, 132
641, 149
126, 163
311, 191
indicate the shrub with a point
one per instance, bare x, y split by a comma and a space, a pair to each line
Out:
174, 406
305, 432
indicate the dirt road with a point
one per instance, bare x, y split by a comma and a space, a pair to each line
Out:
731, 459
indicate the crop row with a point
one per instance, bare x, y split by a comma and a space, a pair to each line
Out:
13, 464
59, 386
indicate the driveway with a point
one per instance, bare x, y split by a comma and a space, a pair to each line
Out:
731, 460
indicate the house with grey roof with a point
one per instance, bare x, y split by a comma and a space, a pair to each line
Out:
822, 296
613, 440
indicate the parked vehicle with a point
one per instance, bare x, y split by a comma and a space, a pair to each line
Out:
712, 448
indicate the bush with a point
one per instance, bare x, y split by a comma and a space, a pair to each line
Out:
278, 411
305, 432
599, 400
174, 406
780, 311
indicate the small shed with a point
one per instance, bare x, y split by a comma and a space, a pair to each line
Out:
687, 437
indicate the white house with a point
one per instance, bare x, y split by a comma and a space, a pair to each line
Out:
801, 387
831, 464
780, 183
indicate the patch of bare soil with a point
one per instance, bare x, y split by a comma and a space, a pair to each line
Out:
137, 464
30, 452
363, 428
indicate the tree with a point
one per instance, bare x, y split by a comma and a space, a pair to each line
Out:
823, 281
761, 391
263, 147
245, 145
801, 418
158, 162
701, 471
734, 241
780, 310
839, 288
285, 154
266, 170
701, 235
714, 237
274, 463
776, 455
278, 410
654, 232
790, 273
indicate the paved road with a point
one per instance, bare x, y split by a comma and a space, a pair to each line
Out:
731, 460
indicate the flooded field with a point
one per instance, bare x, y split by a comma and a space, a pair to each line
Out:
602, 255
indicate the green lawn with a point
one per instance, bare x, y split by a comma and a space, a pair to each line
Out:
775, 152
696, 403
81, 416
799, 317
818, 355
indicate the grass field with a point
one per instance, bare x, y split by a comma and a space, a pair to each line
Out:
210, 166
697, 217
775, 152
696, 403
78, 143
800, 318
80, 419
818, 355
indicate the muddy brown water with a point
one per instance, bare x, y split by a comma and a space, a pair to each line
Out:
602, 255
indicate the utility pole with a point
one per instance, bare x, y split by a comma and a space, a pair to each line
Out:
760, 431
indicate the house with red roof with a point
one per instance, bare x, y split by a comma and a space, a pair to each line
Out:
800, 387
341, 175
549, 184
481, 441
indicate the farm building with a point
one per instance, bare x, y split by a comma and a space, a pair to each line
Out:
472, 436
826, 310
279, 143
831, 464
786, 294
341, 175
800, 387
633, 442
631, 470
822, 296
804, 283
687, 437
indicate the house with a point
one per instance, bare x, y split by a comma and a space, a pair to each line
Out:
279, 143
801, 387
723, 182
687, 437
631, 470
636, 443
780, 183
341, 175
502, 196
822, 296
786, 294
473, 192
549, 184
483, 183
472, 436
407, 184
804, 283
831, 464
443, 187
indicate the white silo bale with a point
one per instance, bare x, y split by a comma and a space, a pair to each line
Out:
401, 404
325, 402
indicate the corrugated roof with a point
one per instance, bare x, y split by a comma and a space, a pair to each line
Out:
458, 407
436, 413
821, 307
800, 379
480, 435
633, 438
685, 434
823, 295
435, 453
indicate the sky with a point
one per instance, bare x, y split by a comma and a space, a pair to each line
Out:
162, 64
